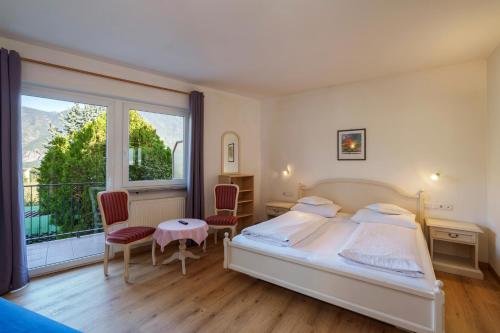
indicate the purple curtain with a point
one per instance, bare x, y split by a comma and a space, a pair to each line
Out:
13, 262
195, 205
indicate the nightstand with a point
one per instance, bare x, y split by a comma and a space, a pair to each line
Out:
276, 208
465, 235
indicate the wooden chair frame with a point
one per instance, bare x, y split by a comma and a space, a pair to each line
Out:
125, 247
234, 211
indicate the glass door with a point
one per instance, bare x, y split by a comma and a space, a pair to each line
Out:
64, 167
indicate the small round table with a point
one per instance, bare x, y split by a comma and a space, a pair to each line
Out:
171, 230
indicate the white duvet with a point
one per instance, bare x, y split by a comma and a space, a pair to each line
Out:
386, 247
285, 230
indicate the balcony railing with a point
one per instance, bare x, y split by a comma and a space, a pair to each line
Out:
57, 211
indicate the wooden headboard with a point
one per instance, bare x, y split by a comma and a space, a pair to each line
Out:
354, 194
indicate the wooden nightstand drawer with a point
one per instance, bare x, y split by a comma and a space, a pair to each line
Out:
275, 211
454, 235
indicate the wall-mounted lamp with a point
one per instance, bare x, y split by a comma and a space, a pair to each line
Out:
435, 176
287, 171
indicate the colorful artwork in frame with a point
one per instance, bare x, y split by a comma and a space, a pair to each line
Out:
230, 152
351, 145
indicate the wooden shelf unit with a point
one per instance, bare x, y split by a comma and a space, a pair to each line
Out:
246, 198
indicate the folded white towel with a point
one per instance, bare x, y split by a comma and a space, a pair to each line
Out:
285, 230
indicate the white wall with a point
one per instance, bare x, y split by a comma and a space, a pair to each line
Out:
223, 111
416, 124
231, 113
493, 166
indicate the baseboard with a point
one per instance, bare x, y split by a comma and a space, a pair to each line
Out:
494, 273
487, 267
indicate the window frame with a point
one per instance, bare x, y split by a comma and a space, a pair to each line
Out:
158, 183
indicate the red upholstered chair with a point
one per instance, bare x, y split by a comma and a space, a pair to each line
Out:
114, 207
226, 201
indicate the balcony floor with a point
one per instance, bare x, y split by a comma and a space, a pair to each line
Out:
53, 252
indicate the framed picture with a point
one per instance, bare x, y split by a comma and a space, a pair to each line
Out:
230, 152
351, 145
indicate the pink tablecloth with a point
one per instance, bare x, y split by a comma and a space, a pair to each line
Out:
171, 230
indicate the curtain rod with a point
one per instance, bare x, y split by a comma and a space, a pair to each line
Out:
72, 69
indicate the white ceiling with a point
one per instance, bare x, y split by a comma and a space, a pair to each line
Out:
264, 47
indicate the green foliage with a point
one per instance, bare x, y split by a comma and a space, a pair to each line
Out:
79, 116
78, 155
150, 154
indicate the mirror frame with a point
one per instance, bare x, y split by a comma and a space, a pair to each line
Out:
223, 157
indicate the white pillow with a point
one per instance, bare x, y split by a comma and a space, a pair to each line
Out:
385, 208
369, 216
314, 200
329, 210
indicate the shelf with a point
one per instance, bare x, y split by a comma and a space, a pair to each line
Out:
236, 175
446, 259
455, 265
243, 215
246, 200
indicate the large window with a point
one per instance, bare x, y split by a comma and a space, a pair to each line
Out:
76, 145
155, 142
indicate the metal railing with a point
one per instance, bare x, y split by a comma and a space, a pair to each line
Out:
57, 211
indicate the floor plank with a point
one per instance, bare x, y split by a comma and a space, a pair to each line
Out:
209, 299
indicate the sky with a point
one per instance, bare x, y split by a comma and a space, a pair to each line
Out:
45, 104
169, 128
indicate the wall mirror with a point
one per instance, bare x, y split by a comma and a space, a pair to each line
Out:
230, 153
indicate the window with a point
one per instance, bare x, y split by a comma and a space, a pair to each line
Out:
155, 140
75, 145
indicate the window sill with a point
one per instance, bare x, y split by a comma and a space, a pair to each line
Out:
142, 189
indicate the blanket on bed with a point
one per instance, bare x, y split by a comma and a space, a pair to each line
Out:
386, 247
15, 319
285, 230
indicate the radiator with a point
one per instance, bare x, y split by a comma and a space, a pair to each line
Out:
151, 212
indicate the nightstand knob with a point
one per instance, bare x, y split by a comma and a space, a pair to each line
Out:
453, 235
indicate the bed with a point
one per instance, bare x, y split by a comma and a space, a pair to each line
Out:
313, 269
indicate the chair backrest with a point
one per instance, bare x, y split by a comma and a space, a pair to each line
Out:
226, 197
113, 206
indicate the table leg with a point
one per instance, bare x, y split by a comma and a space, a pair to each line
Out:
181, 255
153, 252
173, 257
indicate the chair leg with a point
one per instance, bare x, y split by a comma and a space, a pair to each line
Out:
126, 253
205, 245
215, 236
233, 231
106, 258
153, 252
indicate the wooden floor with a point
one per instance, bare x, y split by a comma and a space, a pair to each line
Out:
209, 299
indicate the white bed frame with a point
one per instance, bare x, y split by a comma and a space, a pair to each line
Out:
404, 307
